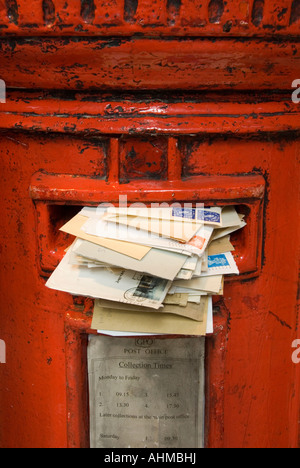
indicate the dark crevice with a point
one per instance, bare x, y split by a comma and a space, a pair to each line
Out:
48, 12
258, 12
215, 11
130, 9
12, 11
174, 6
88, 9
295, 12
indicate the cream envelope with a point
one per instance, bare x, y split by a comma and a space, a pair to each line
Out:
74, 226
220, 246
195, 299
197, 292
144, 322
210, 284
156, 262
230, 217
218, 233
184, 274
177, 299
182, 298
191, 310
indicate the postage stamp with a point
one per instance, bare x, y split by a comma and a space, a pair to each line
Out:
208, 216
217, 261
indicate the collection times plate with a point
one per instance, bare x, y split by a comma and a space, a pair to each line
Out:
146, 392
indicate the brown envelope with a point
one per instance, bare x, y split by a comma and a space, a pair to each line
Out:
144, 322
220, 246
74, 226
191, 310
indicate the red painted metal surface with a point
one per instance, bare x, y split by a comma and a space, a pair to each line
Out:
100, 115
155, 18
137, 63
230, 134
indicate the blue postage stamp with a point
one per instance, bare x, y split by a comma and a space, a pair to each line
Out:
202, 214
186, 213
208, 216
215, 261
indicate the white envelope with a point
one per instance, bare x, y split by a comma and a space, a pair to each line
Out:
198, 214
157, 262
221, 264
97, 227
230, 217
210, 318
210, 284
184, 274
219, 233
129, 287
177, 230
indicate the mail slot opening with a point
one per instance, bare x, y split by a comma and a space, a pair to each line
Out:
58, 216
53, 242
240, 238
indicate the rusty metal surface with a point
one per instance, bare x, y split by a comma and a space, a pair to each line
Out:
140, 63
97, 114
155, 18
250, 369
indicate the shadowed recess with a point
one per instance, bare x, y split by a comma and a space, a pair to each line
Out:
295, 12
130, 8
12, 11
174, 6
48, 11
88, 9
215, 11
258, 12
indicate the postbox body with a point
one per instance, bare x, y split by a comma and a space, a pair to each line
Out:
158, 102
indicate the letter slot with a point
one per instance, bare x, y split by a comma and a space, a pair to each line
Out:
58, 197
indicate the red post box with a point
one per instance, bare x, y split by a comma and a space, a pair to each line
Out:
158, 101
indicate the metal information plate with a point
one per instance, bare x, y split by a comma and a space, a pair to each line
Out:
146, 392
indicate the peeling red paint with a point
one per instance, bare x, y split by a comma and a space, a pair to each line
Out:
156, 18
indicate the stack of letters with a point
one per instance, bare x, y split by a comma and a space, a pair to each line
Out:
152, 270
